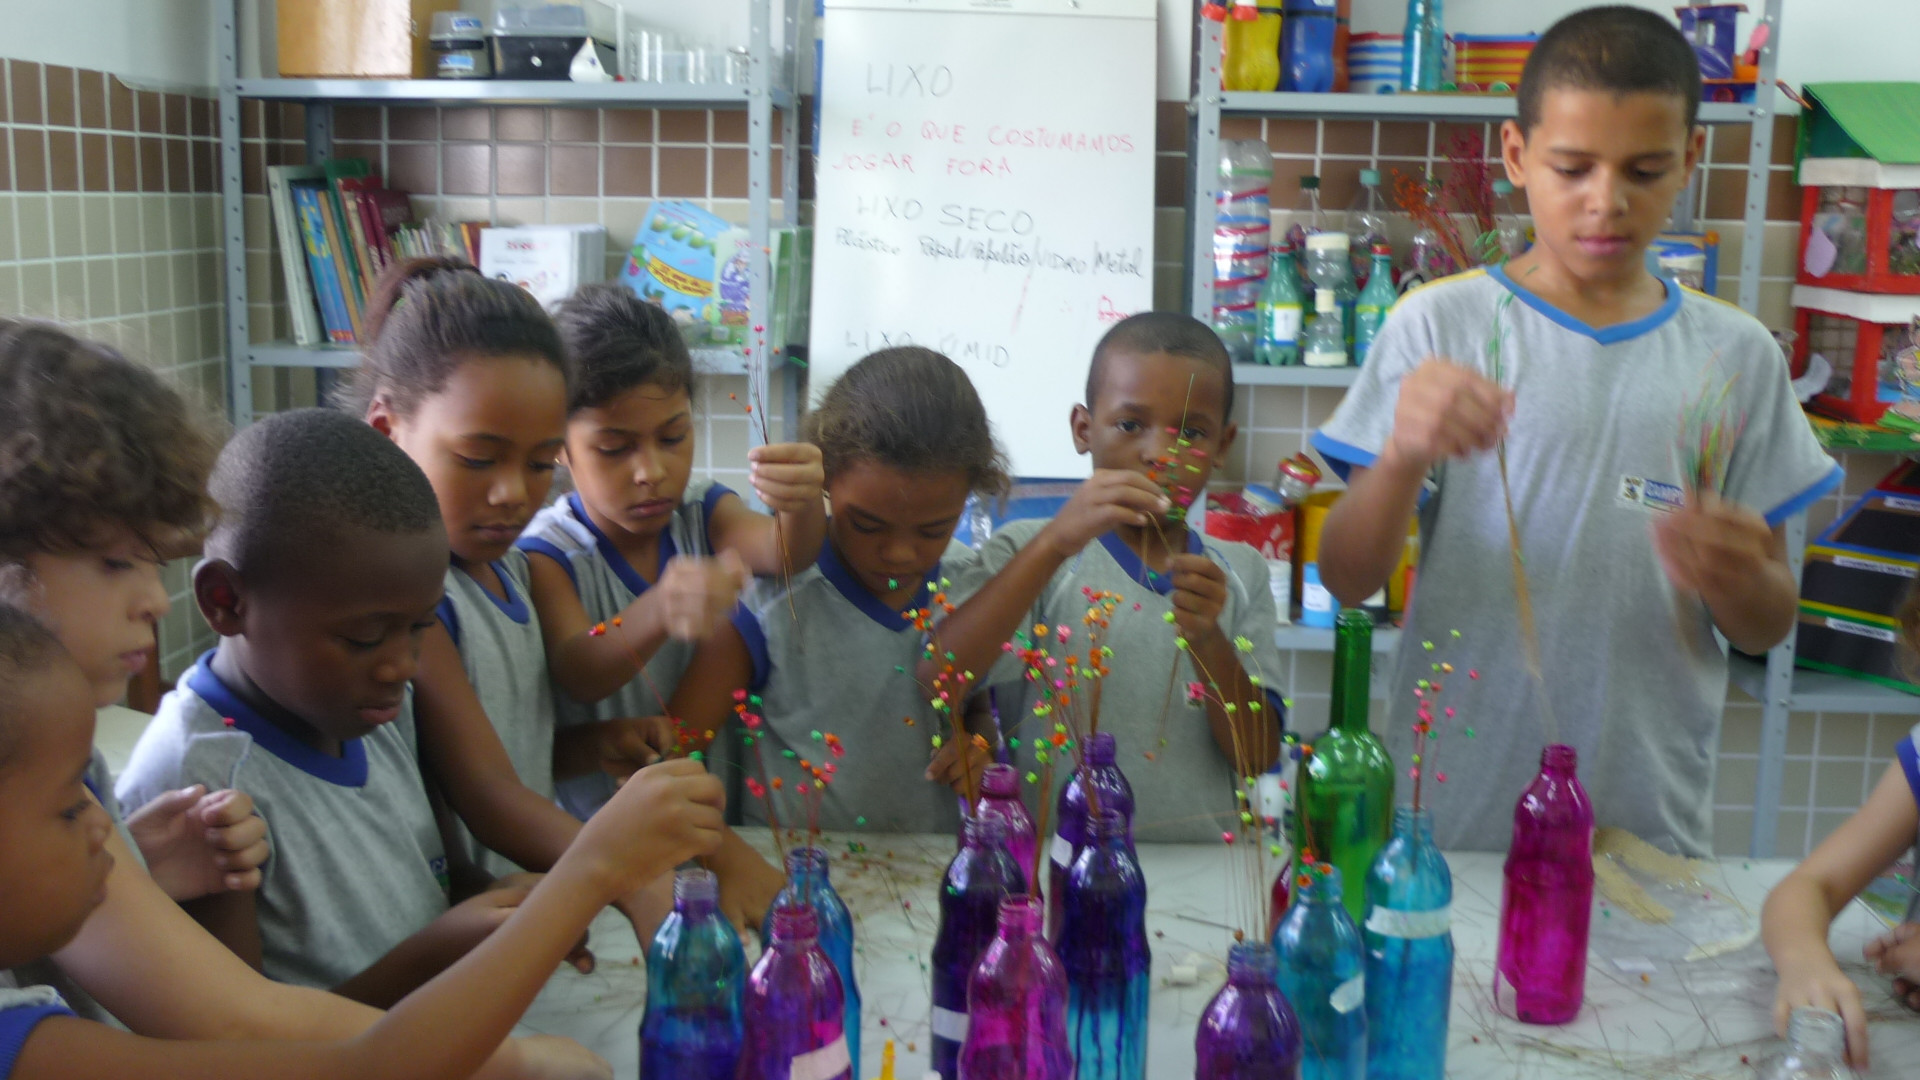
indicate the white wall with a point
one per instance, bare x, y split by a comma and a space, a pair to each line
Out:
153, 42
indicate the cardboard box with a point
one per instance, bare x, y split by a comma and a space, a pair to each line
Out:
357, 39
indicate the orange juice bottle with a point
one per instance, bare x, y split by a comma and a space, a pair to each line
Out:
1252, 60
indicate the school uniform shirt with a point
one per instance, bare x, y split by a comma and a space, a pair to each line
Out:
829, 657
1634, 676
357, 863
505, 659
1187, 791
46, 973
606, 584
21, 1010
1908, 753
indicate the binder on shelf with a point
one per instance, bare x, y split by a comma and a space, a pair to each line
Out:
301, 307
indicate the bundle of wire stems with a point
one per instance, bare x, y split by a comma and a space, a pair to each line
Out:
1497, 370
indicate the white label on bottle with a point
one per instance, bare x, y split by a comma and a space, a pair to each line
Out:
1062, 851
1283, 325
948, 1024
825, 1063
1393, 923
1315, 597
1349, 995
1326, 358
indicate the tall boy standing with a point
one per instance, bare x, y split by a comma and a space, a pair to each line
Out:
1581, 362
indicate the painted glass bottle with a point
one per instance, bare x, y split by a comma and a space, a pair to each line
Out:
1103, 944
1017, 1003
809, 882
1409, 938
980, 876
696, 971
1098, 768
1000, 797
1344, 811
1248, 1031
794, 1018
1323, 975
1546, 906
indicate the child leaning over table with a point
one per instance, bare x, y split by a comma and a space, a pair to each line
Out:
1800, 908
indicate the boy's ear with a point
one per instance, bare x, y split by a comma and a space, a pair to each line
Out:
1081, 421
1512, 142
1227, 435
1696, 147
216, 591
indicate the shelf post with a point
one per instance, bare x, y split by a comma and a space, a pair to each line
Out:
1203, 165
233, 216
1759, 159
1776, 704
759, 205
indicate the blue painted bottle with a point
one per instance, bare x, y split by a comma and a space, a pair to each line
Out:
1323, 974
1248, 1031
1423, 47
1103, 945
808, 883
1306, 46
1409, 937
978, 879
1111, 791
695, 973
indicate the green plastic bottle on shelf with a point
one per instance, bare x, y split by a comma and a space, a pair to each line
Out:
1344, 809
1370, 310
1281, 313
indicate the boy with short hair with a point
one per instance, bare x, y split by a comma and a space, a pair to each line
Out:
1160, 386
324, 571
1579, 362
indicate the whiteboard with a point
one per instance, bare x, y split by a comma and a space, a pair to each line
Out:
984, 187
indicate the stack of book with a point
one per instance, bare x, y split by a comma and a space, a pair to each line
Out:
338, 229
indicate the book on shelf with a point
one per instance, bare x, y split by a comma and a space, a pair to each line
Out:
302, 308
341, 259
308, 198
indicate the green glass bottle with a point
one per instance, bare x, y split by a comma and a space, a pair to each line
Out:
1344, 808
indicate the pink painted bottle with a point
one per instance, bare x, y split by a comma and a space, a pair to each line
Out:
1000, 797
1540, 976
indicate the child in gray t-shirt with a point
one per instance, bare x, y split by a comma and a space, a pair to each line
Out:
1192, 636
1639, 442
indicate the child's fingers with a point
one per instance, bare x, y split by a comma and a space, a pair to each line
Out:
784, 452
1853, 1014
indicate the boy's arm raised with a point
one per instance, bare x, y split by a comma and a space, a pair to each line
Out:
787, 477
449, 1028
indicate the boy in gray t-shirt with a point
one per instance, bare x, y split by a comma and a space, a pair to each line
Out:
1192, 637
325, 569
1599, 384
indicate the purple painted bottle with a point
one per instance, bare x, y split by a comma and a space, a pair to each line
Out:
978, 879
1248, 1031
1111, 792
1103, 946
1017, 1004
1540, 976
795, 1016
1000, 797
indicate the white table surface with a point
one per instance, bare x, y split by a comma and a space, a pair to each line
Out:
1692, 1020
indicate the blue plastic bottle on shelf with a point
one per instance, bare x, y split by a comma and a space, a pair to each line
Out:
1423, 47
1306, 46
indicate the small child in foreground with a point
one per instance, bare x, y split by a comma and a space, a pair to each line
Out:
1194, 611
321, 578
905, 440
1800, 908
640, 562
54, 870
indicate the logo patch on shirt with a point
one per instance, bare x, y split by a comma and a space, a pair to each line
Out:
1648, 494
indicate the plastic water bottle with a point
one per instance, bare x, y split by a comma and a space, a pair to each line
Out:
1817, 1043
1306, 221
1323, 975
1282, 311
1326, 341
1366, 224
1409, 936
1423, 47
1370, 310
1306, 46
1242, 227
1329, 266
1540, 972
1510, 234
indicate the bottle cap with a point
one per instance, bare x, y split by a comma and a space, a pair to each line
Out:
1309, 183
1328, 241
1301, 468
1323, 302
1383, 248
1369, 177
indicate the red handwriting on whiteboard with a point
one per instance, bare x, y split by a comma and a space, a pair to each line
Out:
1107, 313
874, 163
935, 131
979, 167
1073, 142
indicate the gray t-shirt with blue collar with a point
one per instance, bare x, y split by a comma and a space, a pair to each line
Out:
505, 659
829, 657
606, 584
357, 863
1187, 791
1635, 677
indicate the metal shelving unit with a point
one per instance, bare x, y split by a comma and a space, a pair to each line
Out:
773, 75
1777, 685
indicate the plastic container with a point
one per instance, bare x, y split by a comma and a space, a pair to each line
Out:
1370, 309
459, 45
1373, 63
1490, 61
1281, 313
1306, 46
696, 972
1817, 1044
1251, 55
1423, 51
1017, 999
1103, 945
1409, 937
1366, 225
1248, 1031
1325, 344
793, 1010
1098, 767
1330, 267
1546, 908
1242, 227
978, 879
1323, 975
541, 42
809, 884
1000, 797
1306, 220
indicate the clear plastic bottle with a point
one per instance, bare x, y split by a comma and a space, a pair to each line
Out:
1330, 267
1307, 220
1366, 224
1282, 311
1423, 48
1370, 310
1325, 344
1511, 234
1816, 1049
1427, 260
1242, 227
